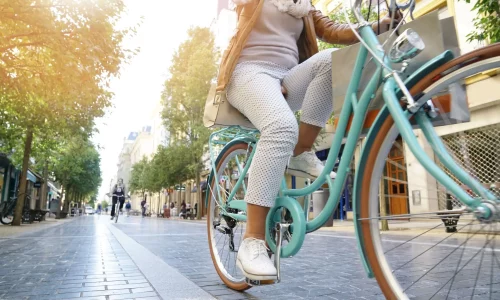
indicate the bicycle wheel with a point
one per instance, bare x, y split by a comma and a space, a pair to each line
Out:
6, 215
225, 234
117, 211
440, 254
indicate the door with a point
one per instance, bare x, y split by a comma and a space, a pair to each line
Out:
397, 180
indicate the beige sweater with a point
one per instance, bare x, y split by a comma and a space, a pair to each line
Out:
274, 38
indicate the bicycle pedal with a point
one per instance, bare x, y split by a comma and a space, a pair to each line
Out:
259, 282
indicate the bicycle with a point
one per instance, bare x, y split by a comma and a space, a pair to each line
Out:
7, 211
408, 103
117, 206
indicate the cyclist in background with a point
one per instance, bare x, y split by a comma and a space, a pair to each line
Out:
118, 193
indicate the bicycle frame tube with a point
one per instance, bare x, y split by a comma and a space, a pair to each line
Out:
359, 107
401, 120
444, 156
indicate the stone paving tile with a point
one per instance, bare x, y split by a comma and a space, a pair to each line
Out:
133, 296
327, 267
49, 267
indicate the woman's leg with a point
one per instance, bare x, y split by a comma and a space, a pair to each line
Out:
309, 86
255, 90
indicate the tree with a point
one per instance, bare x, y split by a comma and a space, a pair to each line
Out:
56, 60
194, 65
78, 170
104, 204
137, 182
339, 17
487, 21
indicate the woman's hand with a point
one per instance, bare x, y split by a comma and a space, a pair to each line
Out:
385, 23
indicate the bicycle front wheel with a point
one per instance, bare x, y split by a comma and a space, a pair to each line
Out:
225, 234
117, 211
440, 250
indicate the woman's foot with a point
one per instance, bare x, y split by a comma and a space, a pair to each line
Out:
253, 260
306, 165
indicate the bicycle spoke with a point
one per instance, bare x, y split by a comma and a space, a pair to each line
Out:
406, 242
479, 269
458, 265
461, 268
427, 250
449, 254
491, 263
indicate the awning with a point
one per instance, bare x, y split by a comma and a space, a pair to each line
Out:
31, 177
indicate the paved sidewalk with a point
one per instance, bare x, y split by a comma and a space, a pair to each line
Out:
81, 259
7, 231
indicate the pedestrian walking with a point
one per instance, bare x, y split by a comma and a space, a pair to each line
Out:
183, 210
143, 207
128, 207
146, 209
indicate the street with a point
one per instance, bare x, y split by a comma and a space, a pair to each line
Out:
93, 258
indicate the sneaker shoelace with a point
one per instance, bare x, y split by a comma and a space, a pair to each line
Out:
313, 159
257, 248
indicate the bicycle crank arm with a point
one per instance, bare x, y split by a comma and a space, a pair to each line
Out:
280, 228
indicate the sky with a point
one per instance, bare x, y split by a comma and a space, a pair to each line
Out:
136, 92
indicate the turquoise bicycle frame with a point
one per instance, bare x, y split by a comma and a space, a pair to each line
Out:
358, 108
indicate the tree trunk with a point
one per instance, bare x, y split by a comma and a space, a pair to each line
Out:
383, 210
70, 195
198, 196
21, 195
58, 213
45, 186
159, 202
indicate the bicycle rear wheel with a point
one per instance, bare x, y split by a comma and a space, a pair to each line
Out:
225, 234
440, 254
6, 214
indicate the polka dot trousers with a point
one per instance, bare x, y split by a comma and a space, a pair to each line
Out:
255, 90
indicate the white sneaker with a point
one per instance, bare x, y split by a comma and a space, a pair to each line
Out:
112, 218
306, 165
253, 260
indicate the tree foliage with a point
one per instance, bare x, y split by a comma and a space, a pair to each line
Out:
487, 21
194, 65
104, 204
78, 169
57, 58
137, 183
338, 16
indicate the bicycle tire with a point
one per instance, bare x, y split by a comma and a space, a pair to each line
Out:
374, 168
4, 211
238, 284
117, 210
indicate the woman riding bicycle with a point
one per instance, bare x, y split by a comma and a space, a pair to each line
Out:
118, 193
272, 68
